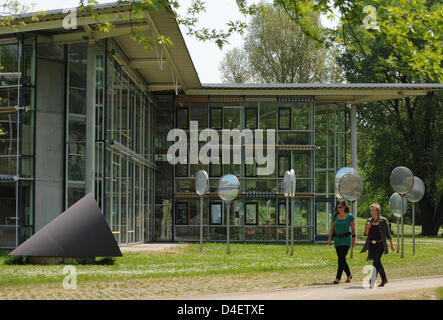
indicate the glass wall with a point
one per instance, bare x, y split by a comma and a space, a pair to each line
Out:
17, 98
254, 214
164, 176
330, 157
129, 154
124, 157
76, 122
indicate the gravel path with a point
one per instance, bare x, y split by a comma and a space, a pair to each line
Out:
350, 291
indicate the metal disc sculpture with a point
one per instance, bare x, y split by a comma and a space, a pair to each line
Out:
201, 188
397, 210
289, 186
416, 194
402, 181
349, 186
228, 188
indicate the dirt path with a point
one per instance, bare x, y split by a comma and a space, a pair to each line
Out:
352, 291
152, 247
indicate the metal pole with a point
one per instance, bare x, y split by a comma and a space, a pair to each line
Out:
398, 235
413, 229
355, 223
227, 231
292, 226
201, 223
287, 225
354, 157
402, 228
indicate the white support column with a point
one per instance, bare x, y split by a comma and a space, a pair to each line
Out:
354, 151
90, 120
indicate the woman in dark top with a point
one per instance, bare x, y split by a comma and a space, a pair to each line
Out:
343, 220
377, 231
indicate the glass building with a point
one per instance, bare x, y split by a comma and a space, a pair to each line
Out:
84, 111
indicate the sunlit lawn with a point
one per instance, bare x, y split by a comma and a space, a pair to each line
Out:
315, 263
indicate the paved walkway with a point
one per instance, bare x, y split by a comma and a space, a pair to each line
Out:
150, 247
350, 291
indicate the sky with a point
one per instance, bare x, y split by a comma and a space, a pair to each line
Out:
206, 56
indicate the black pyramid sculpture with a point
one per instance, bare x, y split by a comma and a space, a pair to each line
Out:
79, 232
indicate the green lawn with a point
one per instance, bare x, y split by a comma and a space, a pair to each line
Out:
315, 259
439, 293
250, 266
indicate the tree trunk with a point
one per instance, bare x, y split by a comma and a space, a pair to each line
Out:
431, 217
426, 216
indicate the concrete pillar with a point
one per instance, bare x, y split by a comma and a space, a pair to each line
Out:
90, 120
354, 151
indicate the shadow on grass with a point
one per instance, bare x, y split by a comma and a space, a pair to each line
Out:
22, 260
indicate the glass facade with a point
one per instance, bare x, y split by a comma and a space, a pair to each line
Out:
125, 166
17, 99
255, 212
330, 157
143, 196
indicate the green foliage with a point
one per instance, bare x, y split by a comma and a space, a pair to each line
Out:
402, 43
275, 51
15, 260
412, 30
11, 8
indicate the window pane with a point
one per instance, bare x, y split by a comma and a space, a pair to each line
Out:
216, 216
288, 138
251, 169
301, 164
232, 118
8, 58
216, 118
181, 213
284, 118
251, 118
181, 170
302, 115
251, 213
185, 185
282, 213
182, 118
268, 115
267, 211
199, 112
301, 210
284, 164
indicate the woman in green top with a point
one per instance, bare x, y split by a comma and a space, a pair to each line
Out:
342, 237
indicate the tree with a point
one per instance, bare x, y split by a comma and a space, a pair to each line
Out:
403, 44
276, 51
235, 67
411, 29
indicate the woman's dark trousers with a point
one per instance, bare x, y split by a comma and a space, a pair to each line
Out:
342, 251
376, 251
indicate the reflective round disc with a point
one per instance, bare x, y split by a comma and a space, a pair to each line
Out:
228, 187
338, 176
417, 191
201, 182
351, 185
395, 204
287, 184
402, 180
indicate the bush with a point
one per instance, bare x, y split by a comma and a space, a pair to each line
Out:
11, 260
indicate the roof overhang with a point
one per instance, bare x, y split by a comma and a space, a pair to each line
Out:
350, 93
163, 68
